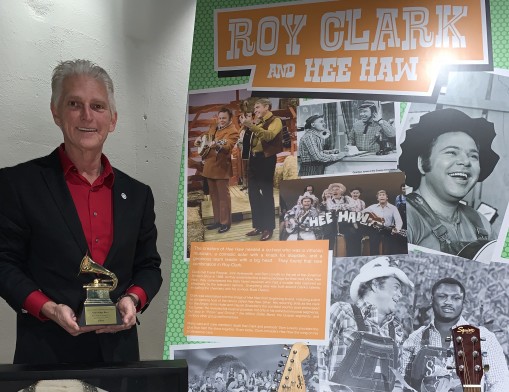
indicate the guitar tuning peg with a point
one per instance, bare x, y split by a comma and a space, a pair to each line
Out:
284, 356
280, 364
483, 339
448, 367
278, 371
449, 353
448, 338
484, 354
286, 347
486, 368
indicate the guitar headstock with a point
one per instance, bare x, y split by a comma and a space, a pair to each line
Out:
468, 355
292, 379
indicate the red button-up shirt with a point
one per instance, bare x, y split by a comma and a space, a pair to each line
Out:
94, 205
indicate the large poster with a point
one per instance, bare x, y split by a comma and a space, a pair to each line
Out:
377, 127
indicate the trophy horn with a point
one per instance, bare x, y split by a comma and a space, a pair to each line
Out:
90, 266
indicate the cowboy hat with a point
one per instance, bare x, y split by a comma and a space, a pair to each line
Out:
433, 124
377, 268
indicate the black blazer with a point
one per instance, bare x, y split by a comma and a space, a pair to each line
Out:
41, 247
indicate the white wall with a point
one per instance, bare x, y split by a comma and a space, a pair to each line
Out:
145, 45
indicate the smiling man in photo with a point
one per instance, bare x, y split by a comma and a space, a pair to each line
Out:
424, 358
443, 157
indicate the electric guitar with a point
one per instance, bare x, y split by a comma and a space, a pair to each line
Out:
292, 379
468, 357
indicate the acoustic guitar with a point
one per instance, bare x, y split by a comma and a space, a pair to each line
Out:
480, 250
377, 223
468, 357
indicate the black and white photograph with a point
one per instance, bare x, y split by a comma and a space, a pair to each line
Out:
344, 137
405, 307
358, 214
454, 156
259, 368
238, 150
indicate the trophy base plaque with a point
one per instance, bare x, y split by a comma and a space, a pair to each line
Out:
99, 314
98, 308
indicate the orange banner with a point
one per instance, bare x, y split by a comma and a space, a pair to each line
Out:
370, 47
274, 290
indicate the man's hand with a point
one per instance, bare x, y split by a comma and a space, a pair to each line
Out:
128, 313
64, 316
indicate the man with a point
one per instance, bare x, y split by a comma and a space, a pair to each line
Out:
239, 385
443, 157
313, 158
336, 201
266, 143
400, 204
387, 216
297, 220
55, 210
424, 357
217, 168
375, 293
371, 130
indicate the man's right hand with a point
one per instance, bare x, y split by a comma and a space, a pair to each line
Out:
64, 316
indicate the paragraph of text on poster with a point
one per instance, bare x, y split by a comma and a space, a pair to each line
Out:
258, 290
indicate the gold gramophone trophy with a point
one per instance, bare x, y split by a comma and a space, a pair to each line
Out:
98, 308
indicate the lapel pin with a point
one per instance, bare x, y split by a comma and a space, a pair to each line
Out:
124, 196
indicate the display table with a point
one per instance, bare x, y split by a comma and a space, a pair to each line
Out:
153, 376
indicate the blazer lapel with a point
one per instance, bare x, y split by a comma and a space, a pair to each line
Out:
63, 199
120, 195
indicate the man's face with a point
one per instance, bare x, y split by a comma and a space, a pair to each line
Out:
365, 114
319, 124
260, 110
337, 191
223, 119
83, 114
388, 295
248, 116
447, 302
403, 189
355, 194
306, 203
381, 197
309, 189
454, 167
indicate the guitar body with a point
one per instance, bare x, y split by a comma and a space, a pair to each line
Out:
480, 250
204, 147
291, 225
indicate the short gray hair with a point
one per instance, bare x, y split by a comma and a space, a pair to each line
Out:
78, 67
264, 102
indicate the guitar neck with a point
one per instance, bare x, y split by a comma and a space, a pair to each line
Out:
471, 388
